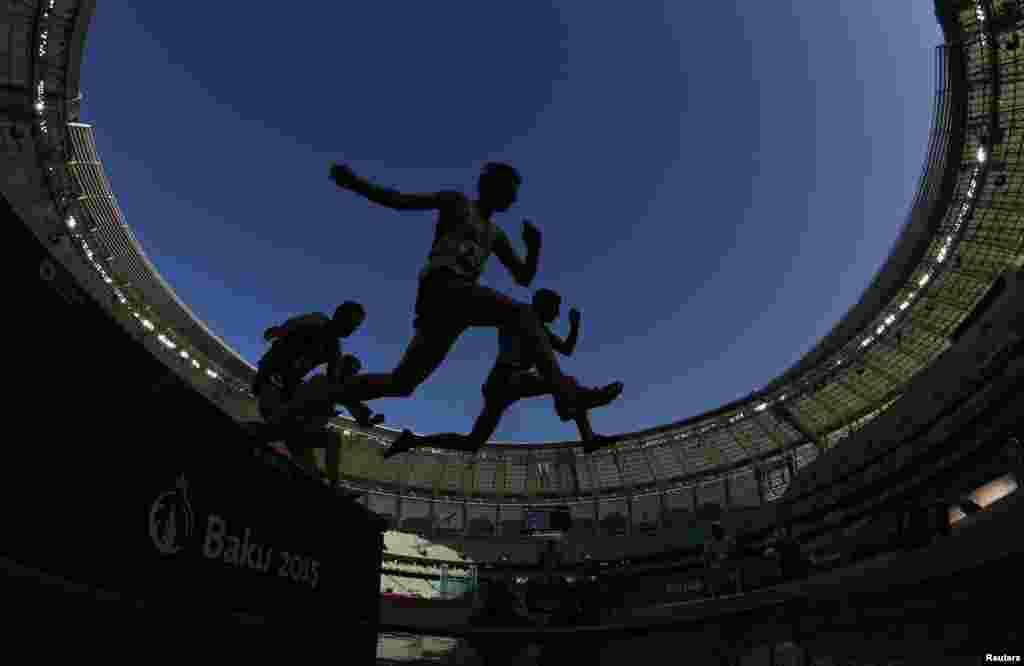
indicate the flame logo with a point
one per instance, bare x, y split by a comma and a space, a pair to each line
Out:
171, 520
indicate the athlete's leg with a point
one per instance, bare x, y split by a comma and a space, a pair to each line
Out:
592, 441
502, 389
487, 307
490, 308
583, 425
428, 348
484, 426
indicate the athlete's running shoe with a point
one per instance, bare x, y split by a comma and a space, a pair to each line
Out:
587, 399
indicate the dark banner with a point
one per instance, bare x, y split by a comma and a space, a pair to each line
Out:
119, 476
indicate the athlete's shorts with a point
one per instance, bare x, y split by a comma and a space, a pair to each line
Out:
517, 381
450, 302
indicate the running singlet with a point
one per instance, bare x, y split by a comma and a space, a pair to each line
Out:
511, 351
463, 240
294, 356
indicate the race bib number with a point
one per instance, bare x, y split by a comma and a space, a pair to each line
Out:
470, 256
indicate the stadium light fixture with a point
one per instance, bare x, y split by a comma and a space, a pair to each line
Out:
982, 154
72, 222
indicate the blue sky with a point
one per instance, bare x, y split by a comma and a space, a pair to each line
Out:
716, 182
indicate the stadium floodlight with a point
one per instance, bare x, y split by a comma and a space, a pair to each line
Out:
148, 325
760, 408
40, 107
72, 222
195, 364
982, 154
166, 341
925, 279
184, 354
212, 374
890, 319
904, 305
867, 341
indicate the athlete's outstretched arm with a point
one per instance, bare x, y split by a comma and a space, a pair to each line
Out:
345, 178
522, 271
567, 346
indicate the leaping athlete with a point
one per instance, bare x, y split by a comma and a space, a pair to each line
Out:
450, 299
300, 345
513, 378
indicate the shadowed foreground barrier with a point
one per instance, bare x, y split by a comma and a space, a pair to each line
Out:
123, 482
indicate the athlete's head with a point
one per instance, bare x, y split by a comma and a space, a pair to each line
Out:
348, 317
498, 185
547, 304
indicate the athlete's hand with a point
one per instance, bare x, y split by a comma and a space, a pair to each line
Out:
574, 317
531, 235
343, 176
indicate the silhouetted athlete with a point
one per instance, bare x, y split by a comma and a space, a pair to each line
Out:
300, 345
450, 299
513, 378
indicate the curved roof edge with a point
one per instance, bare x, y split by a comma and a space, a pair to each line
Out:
936, 187
76, 48
157, 288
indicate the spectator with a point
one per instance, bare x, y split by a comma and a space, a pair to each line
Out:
717, 551
785, 549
